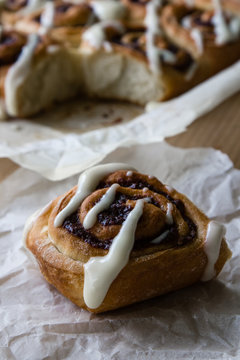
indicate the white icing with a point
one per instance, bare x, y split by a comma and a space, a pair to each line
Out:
87, 183
18, 73
107, 199
31, 221
186, 22
215, 233
189, 3
152, 24
129, 173
160, 238
44, 229
152, 105
169, 188
51, 49
96, 34
191, 71
195, 33
155, 54
197, 37
47, 17
169, 218
107, 46
108, 9
145, 189
167, 56
234, 27
100, 271
224, 32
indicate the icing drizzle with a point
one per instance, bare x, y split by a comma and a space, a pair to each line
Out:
100, 271
224, 32
18, 73
87, 183
47, 18
154, 53
96, 34
153, 29
103, 204
108, 9
215, 233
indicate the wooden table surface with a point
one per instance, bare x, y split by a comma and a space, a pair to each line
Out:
219, 129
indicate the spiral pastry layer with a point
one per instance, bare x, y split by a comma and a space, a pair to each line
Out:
120, 237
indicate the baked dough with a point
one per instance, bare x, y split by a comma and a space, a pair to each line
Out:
87, 246
137, 51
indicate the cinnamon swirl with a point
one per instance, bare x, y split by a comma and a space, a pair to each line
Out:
121, 237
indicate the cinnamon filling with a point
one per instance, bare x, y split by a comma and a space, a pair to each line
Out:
11, 45
136, 40
118, 212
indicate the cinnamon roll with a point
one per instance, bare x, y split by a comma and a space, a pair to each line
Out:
200, 33
121, 237
131, 50
29, 73
142, 67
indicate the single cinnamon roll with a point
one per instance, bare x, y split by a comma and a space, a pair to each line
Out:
146, 69
121, 237
197, 32
30, 68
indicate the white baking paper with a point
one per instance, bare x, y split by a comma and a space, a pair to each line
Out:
200, 322
54, 142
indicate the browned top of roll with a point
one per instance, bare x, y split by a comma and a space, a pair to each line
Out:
81, 244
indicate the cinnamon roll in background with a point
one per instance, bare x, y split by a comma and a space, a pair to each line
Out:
120, 237
133, 50
204, 35
29, 73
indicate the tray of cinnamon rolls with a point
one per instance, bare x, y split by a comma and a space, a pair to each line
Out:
130, 50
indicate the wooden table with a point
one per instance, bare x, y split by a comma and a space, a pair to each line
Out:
219, 129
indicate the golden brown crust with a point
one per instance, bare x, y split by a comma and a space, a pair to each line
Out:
158, 268
136, 13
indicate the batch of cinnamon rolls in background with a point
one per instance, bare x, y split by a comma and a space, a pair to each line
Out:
133, 50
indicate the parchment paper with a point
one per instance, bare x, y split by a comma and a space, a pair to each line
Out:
54, 142
200, 322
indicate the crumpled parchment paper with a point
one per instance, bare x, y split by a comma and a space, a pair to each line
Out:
199, 322
77, 135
